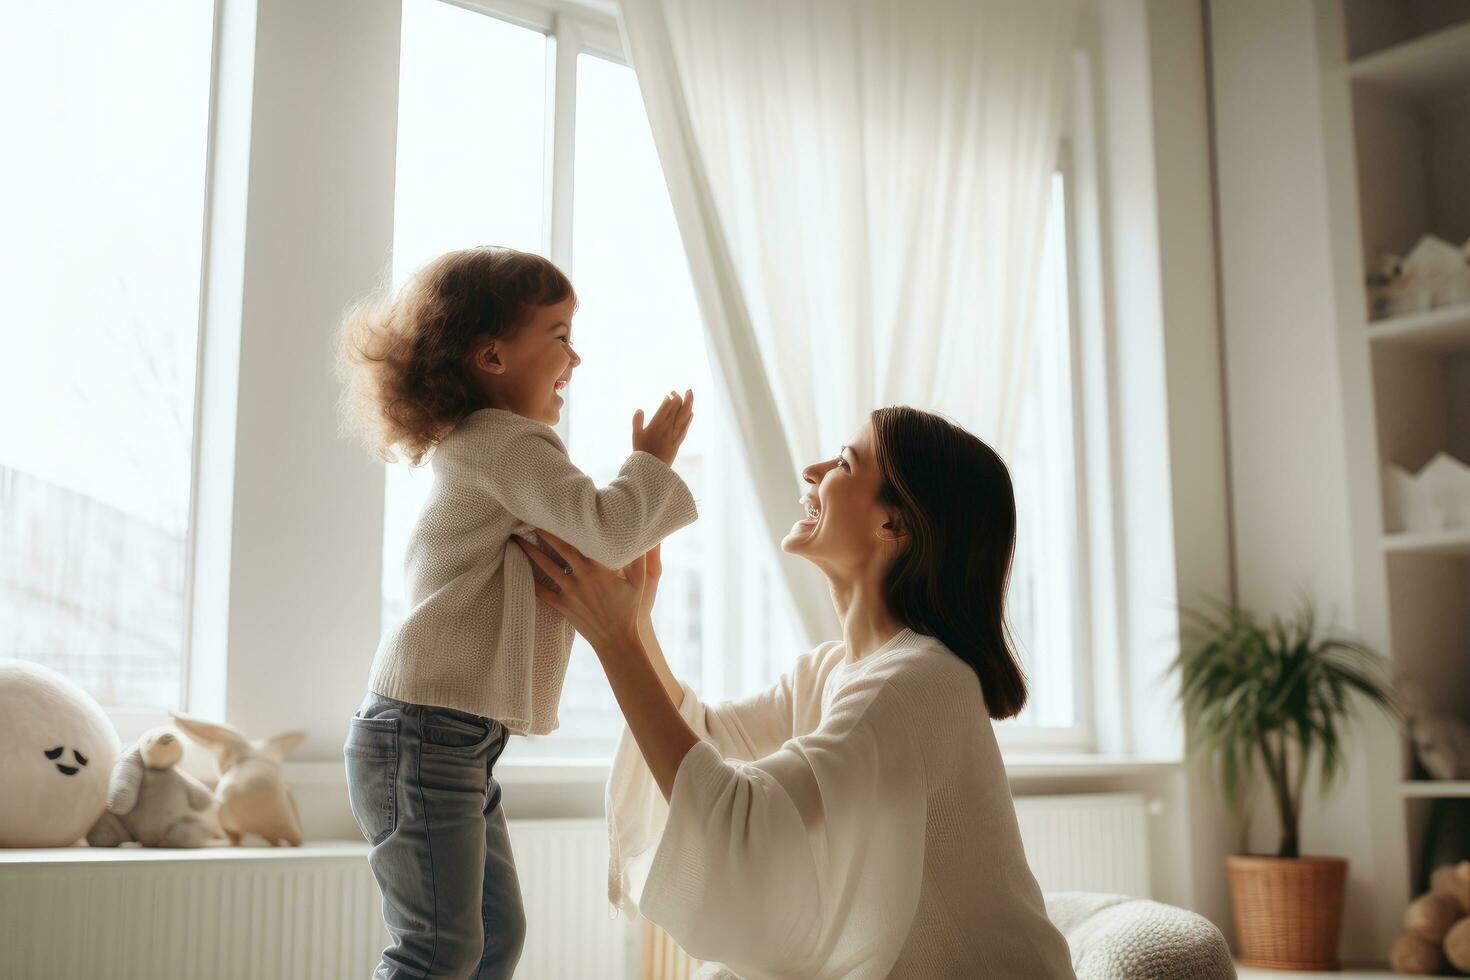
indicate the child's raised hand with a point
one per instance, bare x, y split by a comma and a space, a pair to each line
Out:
666, 430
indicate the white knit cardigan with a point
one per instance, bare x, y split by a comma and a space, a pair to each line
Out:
854, 821
476, 639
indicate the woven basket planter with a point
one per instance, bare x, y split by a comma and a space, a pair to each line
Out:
1288, 911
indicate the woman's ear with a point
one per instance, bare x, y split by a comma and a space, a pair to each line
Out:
893, 528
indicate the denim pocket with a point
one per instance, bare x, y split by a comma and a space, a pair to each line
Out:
457, 733
372, 770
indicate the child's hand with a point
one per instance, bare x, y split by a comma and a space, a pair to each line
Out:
665, 432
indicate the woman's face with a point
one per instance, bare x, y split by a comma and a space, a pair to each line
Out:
846, 528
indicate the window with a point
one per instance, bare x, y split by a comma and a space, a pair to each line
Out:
471, 138
1047, 582
638, 329
103, 191
723, 615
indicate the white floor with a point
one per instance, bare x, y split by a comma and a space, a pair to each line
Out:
1347, 973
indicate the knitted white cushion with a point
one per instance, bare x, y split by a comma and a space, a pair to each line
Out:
1121, 938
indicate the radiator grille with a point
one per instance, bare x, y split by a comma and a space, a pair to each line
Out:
312, 913
1093, 842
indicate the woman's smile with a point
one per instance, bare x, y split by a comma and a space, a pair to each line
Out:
813, 512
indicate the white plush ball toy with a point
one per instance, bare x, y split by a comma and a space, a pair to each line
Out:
57, 748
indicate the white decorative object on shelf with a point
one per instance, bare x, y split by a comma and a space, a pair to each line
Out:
1401, 499
1434, 499
1433, 274
1445, 486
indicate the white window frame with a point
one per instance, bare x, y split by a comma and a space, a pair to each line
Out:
1081, 735
129, 721
219, 649
1094, 443
573, 27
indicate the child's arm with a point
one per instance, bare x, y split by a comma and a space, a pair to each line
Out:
612, 525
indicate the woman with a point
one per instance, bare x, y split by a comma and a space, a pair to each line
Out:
853, 821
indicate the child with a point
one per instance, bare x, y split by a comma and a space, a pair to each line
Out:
467, 362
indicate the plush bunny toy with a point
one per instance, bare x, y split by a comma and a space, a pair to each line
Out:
153, 803
253, 798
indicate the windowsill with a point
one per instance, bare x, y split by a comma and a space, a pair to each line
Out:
1084, 764
581, 772
326, 850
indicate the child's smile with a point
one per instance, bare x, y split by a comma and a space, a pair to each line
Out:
527, 372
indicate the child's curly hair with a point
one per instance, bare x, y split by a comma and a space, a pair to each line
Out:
402, 356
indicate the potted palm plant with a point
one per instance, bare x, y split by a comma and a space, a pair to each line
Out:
1270, 704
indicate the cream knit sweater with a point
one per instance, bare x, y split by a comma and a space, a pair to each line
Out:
476, 639
851, 823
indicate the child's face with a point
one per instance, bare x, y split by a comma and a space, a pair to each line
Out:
526, 372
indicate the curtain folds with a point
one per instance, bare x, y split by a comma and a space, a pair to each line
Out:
861, 189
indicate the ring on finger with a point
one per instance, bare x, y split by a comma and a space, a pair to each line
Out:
566, 569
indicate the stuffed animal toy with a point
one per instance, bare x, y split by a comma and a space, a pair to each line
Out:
253, 798
1457, 945
1431, 915
57, 747
1386, 286
1437, 925
1441, 742
1411, 954
154, 803
1453, 880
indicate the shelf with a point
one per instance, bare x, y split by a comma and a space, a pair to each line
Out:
1435, 789
1444, 331
1425, 68
1455, 541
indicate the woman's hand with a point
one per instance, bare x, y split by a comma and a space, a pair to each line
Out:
605, 607
601, 604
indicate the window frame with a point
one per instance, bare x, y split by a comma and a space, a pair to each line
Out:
574, 27
132, 721
1081, 735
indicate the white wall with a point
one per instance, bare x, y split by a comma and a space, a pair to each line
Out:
1290, 471
289, 514
1170, 433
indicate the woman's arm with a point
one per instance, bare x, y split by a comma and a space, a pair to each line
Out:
663, 736
606, 609
653, 568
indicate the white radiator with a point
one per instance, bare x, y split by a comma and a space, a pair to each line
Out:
310, 913
313, 913
1093, 842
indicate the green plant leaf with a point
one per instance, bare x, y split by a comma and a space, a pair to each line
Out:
1273, 699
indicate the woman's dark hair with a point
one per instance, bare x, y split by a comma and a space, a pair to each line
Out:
953, 494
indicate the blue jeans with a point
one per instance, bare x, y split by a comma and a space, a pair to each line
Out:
423, 794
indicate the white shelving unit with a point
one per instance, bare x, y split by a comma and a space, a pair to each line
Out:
1435, 789
1442, 331
1396, 117
1429, 67
1450, 543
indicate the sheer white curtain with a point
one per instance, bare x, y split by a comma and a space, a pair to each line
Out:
861, 187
